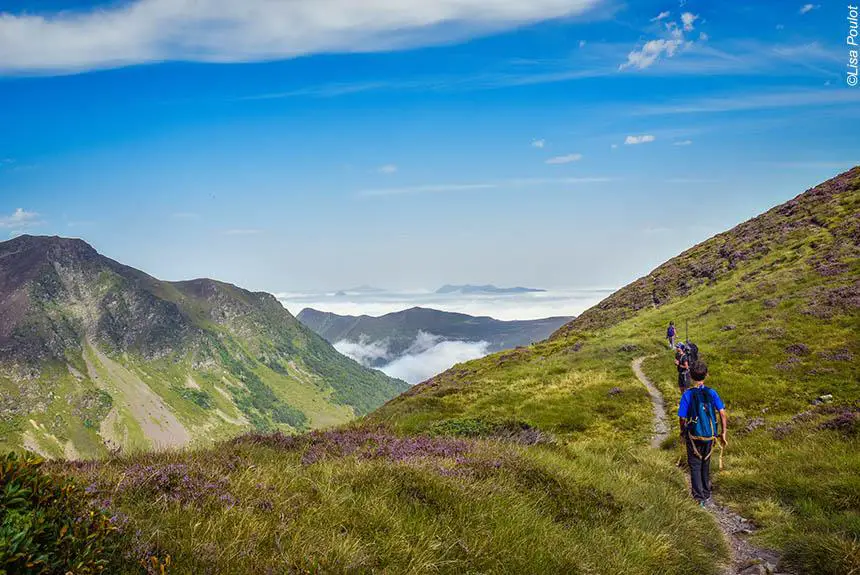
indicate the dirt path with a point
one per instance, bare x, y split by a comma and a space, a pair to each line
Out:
747, 559
661, 426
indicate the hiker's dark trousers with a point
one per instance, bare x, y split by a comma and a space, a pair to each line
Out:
699, 460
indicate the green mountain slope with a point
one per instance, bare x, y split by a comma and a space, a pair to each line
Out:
93, 352
536, 460
774, 305
399, 330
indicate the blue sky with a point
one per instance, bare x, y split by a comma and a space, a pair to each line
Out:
320, 144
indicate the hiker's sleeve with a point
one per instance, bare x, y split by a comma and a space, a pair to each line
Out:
718, 402
684, 406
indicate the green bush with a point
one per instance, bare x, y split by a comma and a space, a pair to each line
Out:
46, 526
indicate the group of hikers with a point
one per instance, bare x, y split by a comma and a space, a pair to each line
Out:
701, 415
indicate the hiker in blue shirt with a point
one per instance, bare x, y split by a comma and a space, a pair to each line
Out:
670, 335
697, 415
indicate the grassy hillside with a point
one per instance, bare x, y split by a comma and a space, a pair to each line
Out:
95, 356
774, 305
535, 460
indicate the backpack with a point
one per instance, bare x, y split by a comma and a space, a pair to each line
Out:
702, 415
692, 352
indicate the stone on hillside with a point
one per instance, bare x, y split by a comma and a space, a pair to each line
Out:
797, 349
730, 327
615, 391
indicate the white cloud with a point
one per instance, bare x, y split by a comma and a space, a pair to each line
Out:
660, 16
780, 26
428, 355
657, 230
756, 101
643, 139
141, 31
425, 189
582, 43
687, 18
564, 159
703, 37
20, 220
364, 351
809, 8
511, 183
613, 146
538, 143
185, 216
418, 367
682, 143
651, 52
243, 232
387, 169
668, 46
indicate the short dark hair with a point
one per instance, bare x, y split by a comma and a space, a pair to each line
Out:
699, 370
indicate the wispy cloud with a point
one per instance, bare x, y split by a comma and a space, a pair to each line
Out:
425, 189
243, 232
660, 16
184, 216
387, 169
643, 139
538, 143
809, 8
682, 143
567, 159
657, 230
687, 19
510, 183
143, 31
755, 101
816, 165
80, 223
19, 221
672, 42
690, 181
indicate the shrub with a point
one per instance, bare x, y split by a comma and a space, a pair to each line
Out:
46, 525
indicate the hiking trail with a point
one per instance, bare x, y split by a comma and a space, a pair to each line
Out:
746, 558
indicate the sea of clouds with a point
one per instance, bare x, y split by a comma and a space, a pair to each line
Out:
429, 354
535, 305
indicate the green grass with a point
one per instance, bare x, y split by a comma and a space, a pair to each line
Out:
535, 460
494, 508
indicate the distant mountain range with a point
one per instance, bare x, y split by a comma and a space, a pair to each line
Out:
95, 352
400, 330
485, 290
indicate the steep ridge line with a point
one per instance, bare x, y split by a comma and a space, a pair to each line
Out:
747, 559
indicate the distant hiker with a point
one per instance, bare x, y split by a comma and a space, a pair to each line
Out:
682, 360
670, 335
697, 415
